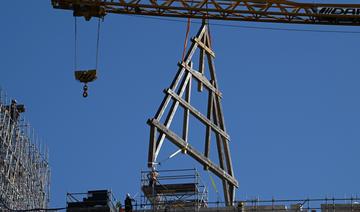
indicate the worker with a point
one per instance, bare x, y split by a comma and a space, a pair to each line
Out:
240, 206
152, 176
13, 111
128, 203
119, 206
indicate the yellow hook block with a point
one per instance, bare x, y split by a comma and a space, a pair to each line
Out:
86, 76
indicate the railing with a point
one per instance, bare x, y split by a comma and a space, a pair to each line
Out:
172, 188
326, 204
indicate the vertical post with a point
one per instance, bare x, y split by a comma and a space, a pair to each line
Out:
187, 112
208, 127
219, 142
201, 68
152, 147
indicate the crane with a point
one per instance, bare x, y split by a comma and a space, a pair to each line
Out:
275, 11
272, 11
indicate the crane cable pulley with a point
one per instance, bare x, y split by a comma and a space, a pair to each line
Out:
86, 76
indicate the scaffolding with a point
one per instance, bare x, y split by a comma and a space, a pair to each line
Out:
181, 188
24, 167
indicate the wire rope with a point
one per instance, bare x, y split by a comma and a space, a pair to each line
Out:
97, 43
75, 43
251, 27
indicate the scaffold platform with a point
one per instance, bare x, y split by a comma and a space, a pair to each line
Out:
173, 188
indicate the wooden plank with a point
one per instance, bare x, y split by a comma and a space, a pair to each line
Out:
203, 46
219, 143
198, 114
202, 79
223, 148
220, 115
226, 193
211, 66
208, 127
152, 147
171, 114
222, 126
186, 113
232, 194
179, 142
167, 99
201, 68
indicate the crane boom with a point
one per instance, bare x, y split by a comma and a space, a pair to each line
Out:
276, 11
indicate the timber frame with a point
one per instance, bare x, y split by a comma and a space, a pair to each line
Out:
179, 94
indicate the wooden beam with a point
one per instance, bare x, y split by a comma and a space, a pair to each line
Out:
201, 68
179, 142
171, 113
219, 143
222, 126
186, 114
152, 147
202, 60
208, 127
203, 46
167, 99
197, 114
201, 78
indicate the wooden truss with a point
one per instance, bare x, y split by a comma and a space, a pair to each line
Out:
179, 94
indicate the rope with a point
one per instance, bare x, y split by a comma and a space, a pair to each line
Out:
248, 27
187, 33
213, 183
75, 44
207, 22
210, 40
186, 37
214, 186
97, 44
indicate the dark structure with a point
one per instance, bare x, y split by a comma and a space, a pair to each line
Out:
94, 201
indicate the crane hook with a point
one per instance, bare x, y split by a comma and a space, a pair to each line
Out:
85, 89
85, 77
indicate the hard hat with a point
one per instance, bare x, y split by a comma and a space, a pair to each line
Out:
128, 195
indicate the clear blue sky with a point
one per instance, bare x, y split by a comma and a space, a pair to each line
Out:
291, 100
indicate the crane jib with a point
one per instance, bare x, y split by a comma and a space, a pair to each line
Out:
233, 10
338, 11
